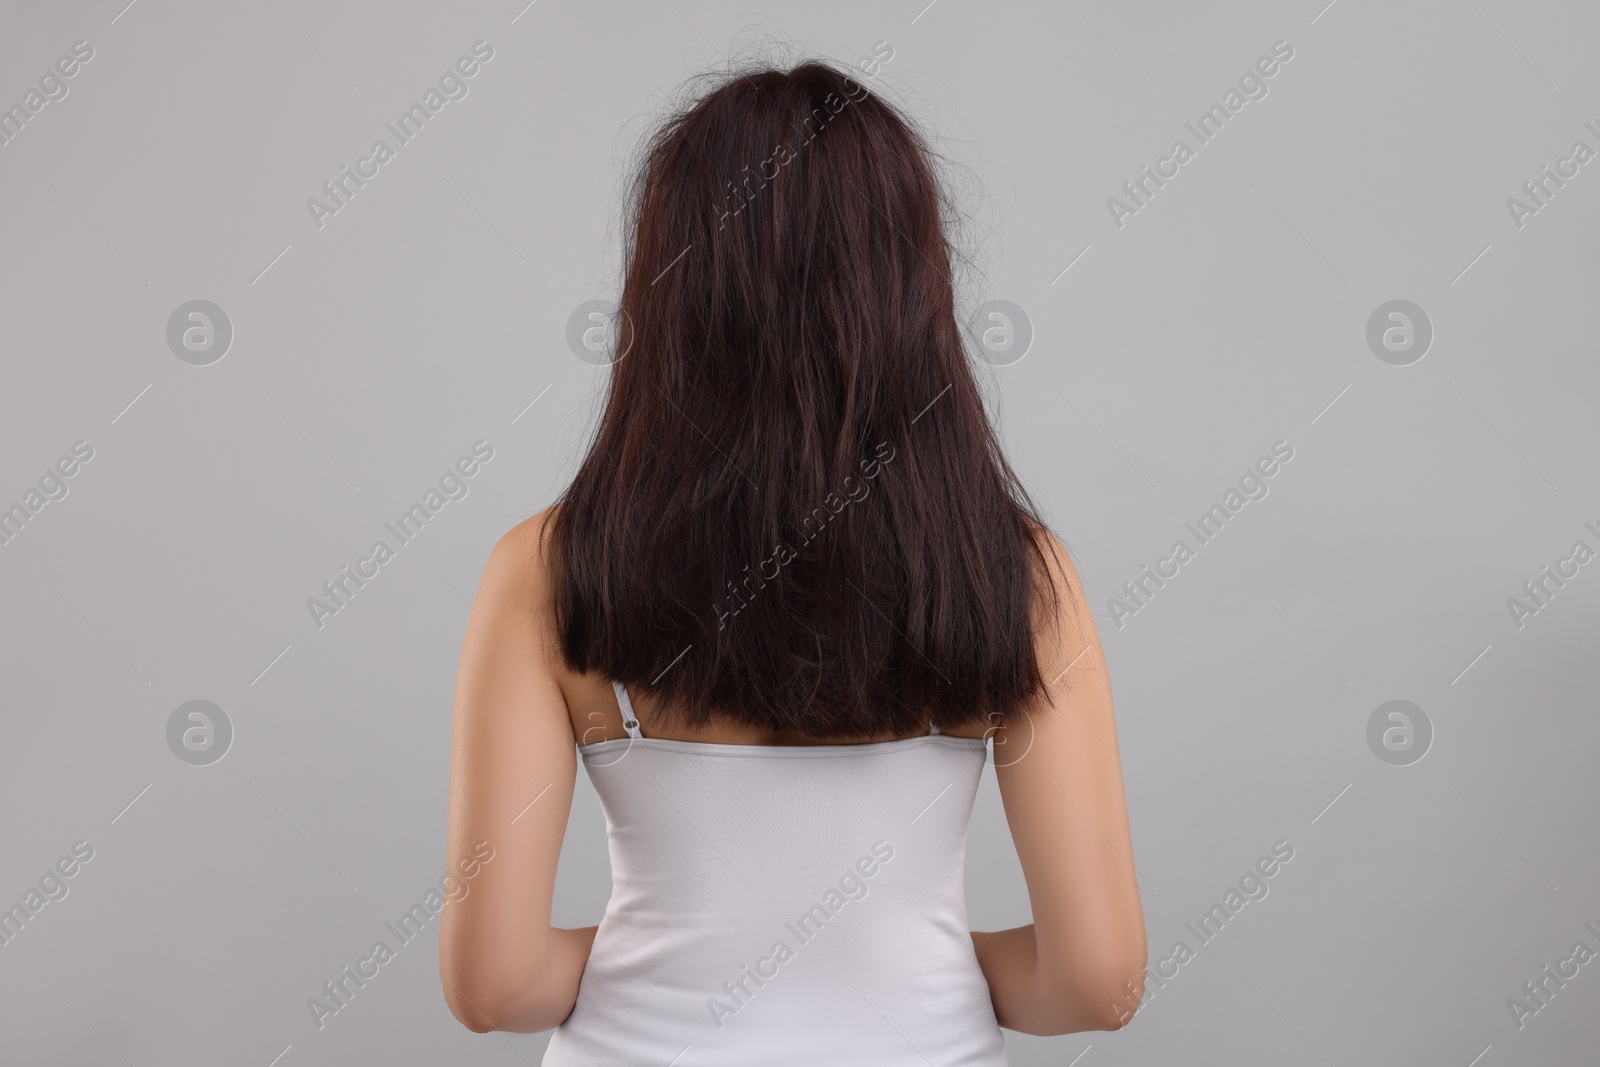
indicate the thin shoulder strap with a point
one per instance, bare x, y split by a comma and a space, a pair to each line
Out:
629, 719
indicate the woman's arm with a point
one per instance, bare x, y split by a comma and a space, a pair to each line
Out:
1081, 964
502, 966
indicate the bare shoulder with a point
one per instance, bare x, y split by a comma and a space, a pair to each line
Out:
528, 537
515, 596
520, 575
1064, 631
1069, 601
1055, 553
518, 566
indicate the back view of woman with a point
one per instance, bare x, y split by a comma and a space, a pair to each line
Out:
789, 594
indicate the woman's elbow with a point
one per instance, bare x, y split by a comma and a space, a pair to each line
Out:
1122, 1003
484, 1002
473, 1018
1121, 990
473, 999
1106, 999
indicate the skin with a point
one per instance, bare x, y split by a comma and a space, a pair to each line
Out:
520, 713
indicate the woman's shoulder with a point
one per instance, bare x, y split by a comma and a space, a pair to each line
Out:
528, 538
518, 568
517, 596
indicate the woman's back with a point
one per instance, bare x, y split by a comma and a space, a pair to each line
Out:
783, 904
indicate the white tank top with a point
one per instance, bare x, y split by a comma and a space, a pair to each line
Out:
776, 905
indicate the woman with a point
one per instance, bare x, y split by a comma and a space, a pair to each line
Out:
790, 592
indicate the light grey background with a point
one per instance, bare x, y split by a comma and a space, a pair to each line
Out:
1228, 314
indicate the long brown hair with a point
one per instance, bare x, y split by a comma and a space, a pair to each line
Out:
795, 513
